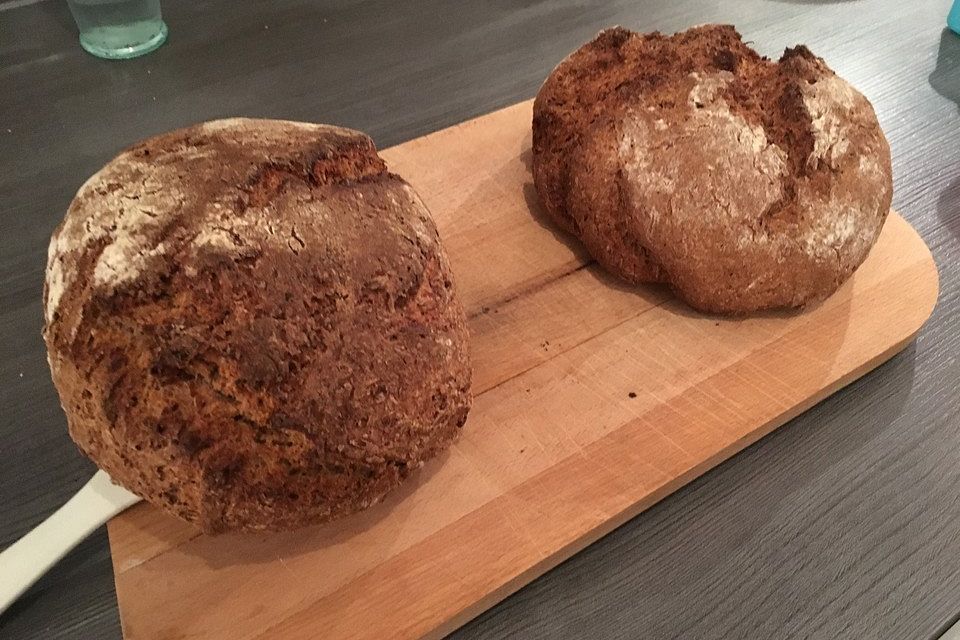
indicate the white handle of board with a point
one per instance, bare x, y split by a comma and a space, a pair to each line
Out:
23, 562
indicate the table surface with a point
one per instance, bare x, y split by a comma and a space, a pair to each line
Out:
844, 522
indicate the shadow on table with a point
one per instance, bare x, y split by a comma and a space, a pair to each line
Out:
945, 80
945, 77
948, 207
59, 13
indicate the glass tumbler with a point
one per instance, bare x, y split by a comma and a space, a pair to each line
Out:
118, 29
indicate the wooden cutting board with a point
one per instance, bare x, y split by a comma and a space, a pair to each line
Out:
593, 400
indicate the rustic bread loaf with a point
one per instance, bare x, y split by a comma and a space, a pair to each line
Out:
253, 325
745, 184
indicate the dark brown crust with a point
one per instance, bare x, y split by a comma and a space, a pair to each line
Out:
620, 144
291, 371
571, 99
597, 185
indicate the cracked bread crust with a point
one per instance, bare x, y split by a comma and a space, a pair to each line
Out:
745, 184
253, 325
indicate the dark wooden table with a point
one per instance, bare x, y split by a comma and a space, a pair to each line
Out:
843, 523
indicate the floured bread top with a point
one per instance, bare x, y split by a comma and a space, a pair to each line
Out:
183, 192
691, 159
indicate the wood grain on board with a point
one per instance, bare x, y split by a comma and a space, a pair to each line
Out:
593, 400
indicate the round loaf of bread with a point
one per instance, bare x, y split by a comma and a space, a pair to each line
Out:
744, 183
253, 325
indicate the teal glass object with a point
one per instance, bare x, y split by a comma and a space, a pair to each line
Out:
119, 29
953, 18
